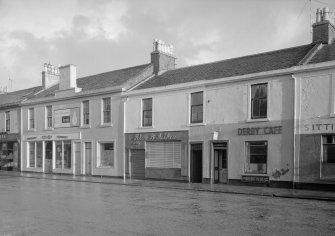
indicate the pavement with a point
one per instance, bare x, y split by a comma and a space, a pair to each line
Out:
219, 188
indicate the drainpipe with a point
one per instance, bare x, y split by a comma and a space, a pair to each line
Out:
296, 131
124, 100
21, 139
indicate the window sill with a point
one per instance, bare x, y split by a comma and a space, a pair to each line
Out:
197, 124
105, 167
257, 120
105, 125
146, 127
85, 127
332, 115
48, 129
31, 130
255, 174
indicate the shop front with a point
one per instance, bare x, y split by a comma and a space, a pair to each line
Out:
53, 153
9, 151
157, 155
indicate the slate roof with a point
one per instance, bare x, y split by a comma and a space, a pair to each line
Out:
326, 53
104, 80
14, 98
262, 62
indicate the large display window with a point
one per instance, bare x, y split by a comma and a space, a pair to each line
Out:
8, 155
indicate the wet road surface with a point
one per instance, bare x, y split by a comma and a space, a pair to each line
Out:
56, 207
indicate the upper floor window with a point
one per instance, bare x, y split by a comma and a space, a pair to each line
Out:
197, 107
7, 121
328, 142
259, 104
31, 115
86, 112
106, 103
147, 112
49, 116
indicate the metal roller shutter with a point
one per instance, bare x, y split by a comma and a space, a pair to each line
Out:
137, 163
164, 154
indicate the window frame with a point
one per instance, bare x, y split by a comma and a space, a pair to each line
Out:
327, 144
31, 118
35, 154
7, 121
143, 111
62, 155
48, 118
98, 163
260, 117
103, 111
197, 105
84, 113
248, 156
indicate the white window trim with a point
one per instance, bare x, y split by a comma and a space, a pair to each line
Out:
246, 158
28, 120
249, 119
35, 156
152, 114
189, 98
46, 118
102, 124
82, 125
6, 121
54, 156
98, 153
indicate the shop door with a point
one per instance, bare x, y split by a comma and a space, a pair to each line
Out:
220, 165
196, 163
48, 157
77, 156
137, 159
88, 158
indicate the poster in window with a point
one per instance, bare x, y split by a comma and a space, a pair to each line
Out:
67, 118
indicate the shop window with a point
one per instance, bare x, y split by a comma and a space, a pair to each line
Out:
7, 121
86, 112
147, 112
49, 116
35, 150
256, 157
8, 154
197, 107
106, 158
164, 154
328, 142
63, 154
259, 96
106, 103
31, 115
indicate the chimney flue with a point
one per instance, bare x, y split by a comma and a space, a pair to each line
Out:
162, 56
326, 13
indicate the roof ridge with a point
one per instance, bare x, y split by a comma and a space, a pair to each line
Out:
127, 68
22, 90
235, 58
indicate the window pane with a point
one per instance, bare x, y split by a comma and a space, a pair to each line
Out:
258, 101
107, 154
256, 157
263, 108
255, 108
39, 154
59, 154
196, 114
67, 154
147, 104
32, 154
197, 98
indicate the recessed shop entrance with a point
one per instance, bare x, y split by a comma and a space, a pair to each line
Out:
196, 163
220, 162
137, 163
48, 157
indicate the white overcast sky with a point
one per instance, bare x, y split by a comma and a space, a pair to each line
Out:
104, 35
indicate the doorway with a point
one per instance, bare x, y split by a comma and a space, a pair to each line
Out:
196, 163
220, 163
137, 163
77, 157
88, 158
48, 157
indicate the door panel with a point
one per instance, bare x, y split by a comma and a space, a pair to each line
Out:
196, 163
137, 158
77, 156
88, 158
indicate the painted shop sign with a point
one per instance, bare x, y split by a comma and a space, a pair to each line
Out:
268, 130
40, 137
326, 126
5, 136
67, 118
255, 179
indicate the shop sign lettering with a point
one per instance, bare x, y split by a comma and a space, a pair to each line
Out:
255, 179
153, 137
319, 127
52, 137
268, 130
8, 136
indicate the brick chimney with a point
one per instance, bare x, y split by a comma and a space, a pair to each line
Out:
50, 75
162, 56
324, 27
68, 77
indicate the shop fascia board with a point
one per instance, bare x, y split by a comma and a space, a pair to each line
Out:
84, 94
233, 79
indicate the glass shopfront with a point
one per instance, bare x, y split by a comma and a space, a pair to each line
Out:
9, 152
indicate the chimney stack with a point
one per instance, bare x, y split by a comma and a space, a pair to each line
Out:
162, 56
50, 75
324, 28
68, 77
